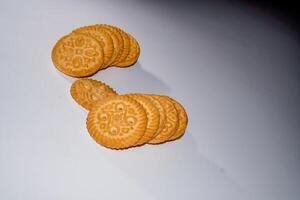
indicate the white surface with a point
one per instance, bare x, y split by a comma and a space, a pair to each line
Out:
232, 68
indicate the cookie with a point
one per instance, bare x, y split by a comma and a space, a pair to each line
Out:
126, 47
152, 115
171, 123
103, 36
86, 92
133, 55
162, 113
116, 43
119, 122
78, 55
117, 33
183, 120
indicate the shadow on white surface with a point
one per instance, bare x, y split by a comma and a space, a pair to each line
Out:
66, 77
128, 80
158, 169
133, 79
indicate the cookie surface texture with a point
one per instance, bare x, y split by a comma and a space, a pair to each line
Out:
86, 92
119, 37
103, 36
183, 120
126, 47
117, 123
133, 55
162, 113
171, 123
78, 55
152, 115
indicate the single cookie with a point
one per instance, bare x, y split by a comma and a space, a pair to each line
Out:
162, 113
87, 92
103, 36
118, 122
78, 55
171, 123
183, 120
152, 115
133, 55
118, 34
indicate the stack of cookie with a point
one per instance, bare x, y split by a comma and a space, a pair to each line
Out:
124, 121
89, 49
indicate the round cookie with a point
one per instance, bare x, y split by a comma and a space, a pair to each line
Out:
183, 120
171, 123
103, 36
162, 113
133, 55
78, 55
86, 92
118, 122
119, 37
152, 115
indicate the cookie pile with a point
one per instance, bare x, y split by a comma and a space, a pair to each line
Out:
89, 49
124, 121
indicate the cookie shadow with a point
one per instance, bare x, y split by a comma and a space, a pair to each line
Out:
174, 165
133, 79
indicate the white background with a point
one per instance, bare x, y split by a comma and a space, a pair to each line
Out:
233, 67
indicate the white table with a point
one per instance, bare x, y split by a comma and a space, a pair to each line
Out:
233, 67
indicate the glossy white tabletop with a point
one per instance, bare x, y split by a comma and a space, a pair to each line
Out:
233, 67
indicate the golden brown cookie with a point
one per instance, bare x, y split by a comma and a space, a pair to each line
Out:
87, 92
118, 122
133, 55
116, 43
162, 113
126, 47
152, 115
117, 33
171, 123
103, 36
183, 120
78, 55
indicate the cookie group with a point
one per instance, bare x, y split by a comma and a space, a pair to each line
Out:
88, 49
123, 121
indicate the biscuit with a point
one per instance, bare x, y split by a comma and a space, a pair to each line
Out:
117, 33
116, 43
152, 115
183, 120
103, 36
133, 55
119, 122
126, 47
78, 55
171, 123
86, 92
162, 113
